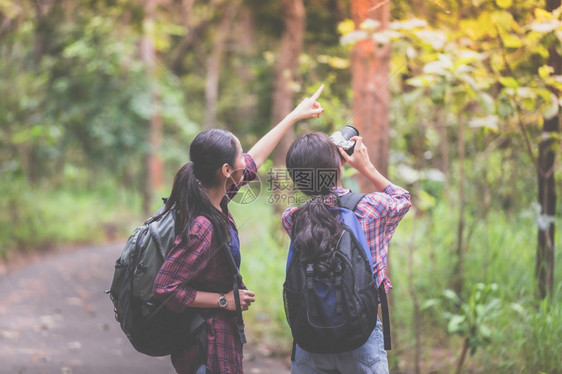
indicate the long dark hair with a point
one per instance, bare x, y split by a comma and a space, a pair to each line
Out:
316, 225
208, 152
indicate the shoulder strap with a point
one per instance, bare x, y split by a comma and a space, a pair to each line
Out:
235, 287
350, 200
237, 281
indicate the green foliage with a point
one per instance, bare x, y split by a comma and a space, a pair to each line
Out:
472, 318
540, 337
264, 255
76, 101
42, 218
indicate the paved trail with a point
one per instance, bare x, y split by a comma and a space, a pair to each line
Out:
56, 319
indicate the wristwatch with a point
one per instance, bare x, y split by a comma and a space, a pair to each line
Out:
222, 301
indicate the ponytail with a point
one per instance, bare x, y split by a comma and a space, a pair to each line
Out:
209, 150
316, 225
190, 201
316, 230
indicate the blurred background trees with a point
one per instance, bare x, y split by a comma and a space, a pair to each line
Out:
458, 102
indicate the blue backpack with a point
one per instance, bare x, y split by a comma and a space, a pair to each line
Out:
338, 312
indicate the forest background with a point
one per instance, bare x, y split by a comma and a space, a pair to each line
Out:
459, 102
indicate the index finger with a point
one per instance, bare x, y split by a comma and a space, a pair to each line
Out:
317, 93
358, 141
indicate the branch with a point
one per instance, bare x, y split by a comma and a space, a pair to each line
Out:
502, 48
528, 144
548, 173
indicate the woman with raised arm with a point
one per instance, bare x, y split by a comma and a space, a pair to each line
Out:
316, 226
200, 194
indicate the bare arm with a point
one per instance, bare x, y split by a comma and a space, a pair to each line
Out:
361, 162
308, 108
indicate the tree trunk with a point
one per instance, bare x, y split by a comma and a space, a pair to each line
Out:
458, 275
416, 318
245, 43
179, 51
286, 69
544, 269
443, 160
462, 358
154, 178
370, 66
214, 64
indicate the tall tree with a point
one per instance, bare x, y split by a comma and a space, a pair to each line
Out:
155, 166
214, 63
544, 270
370, 66
286, 68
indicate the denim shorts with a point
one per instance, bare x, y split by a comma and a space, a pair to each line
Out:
370, 358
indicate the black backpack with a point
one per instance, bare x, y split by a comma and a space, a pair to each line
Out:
152, 328
335, 313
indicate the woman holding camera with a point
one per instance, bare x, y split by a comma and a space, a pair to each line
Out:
315, 228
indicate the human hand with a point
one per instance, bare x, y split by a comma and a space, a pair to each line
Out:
309, 107
359, 159
247, 297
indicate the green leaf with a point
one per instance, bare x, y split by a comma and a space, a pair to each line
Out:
503, 20
545, 71
451, 295
425, 201
509, 82
512, 41
430, 304
437, 92
346, 26
551, 109
504, 4
455, 325
545, 26
421, 81
489, 122
541, 14
369, 25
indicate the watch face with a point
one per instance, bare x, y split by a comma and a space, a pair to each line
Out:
222, 301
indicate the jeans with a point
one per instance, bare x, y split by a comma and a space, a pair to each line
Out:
370, 358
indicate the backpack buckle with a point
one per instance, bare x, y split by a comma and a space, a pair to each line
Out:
309, 273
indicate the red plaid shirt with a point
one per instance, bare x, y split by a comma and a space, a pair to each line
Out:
379, 214
201, 260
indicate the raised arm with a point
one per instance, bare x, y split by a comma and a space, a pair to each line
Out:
308, 108
361, 162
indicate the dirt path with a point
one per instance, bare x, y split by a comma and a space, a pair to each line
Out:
55, 318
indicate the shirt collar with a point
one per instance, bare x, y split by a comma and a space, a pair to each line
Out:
340, 190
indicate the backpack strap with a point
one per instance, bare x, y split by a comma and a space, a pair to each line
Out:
350, 201
385, 317
235, 288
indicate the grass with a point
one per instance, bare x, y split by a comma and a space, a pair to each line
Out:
42, 218
501, 251
264, 254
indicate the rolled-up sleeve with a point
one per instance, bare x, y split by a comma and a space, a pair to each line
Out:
390, 205
379, 214
185, 261
287, 220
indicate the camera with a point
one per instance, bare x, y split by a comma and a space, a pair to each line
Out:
342, 138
